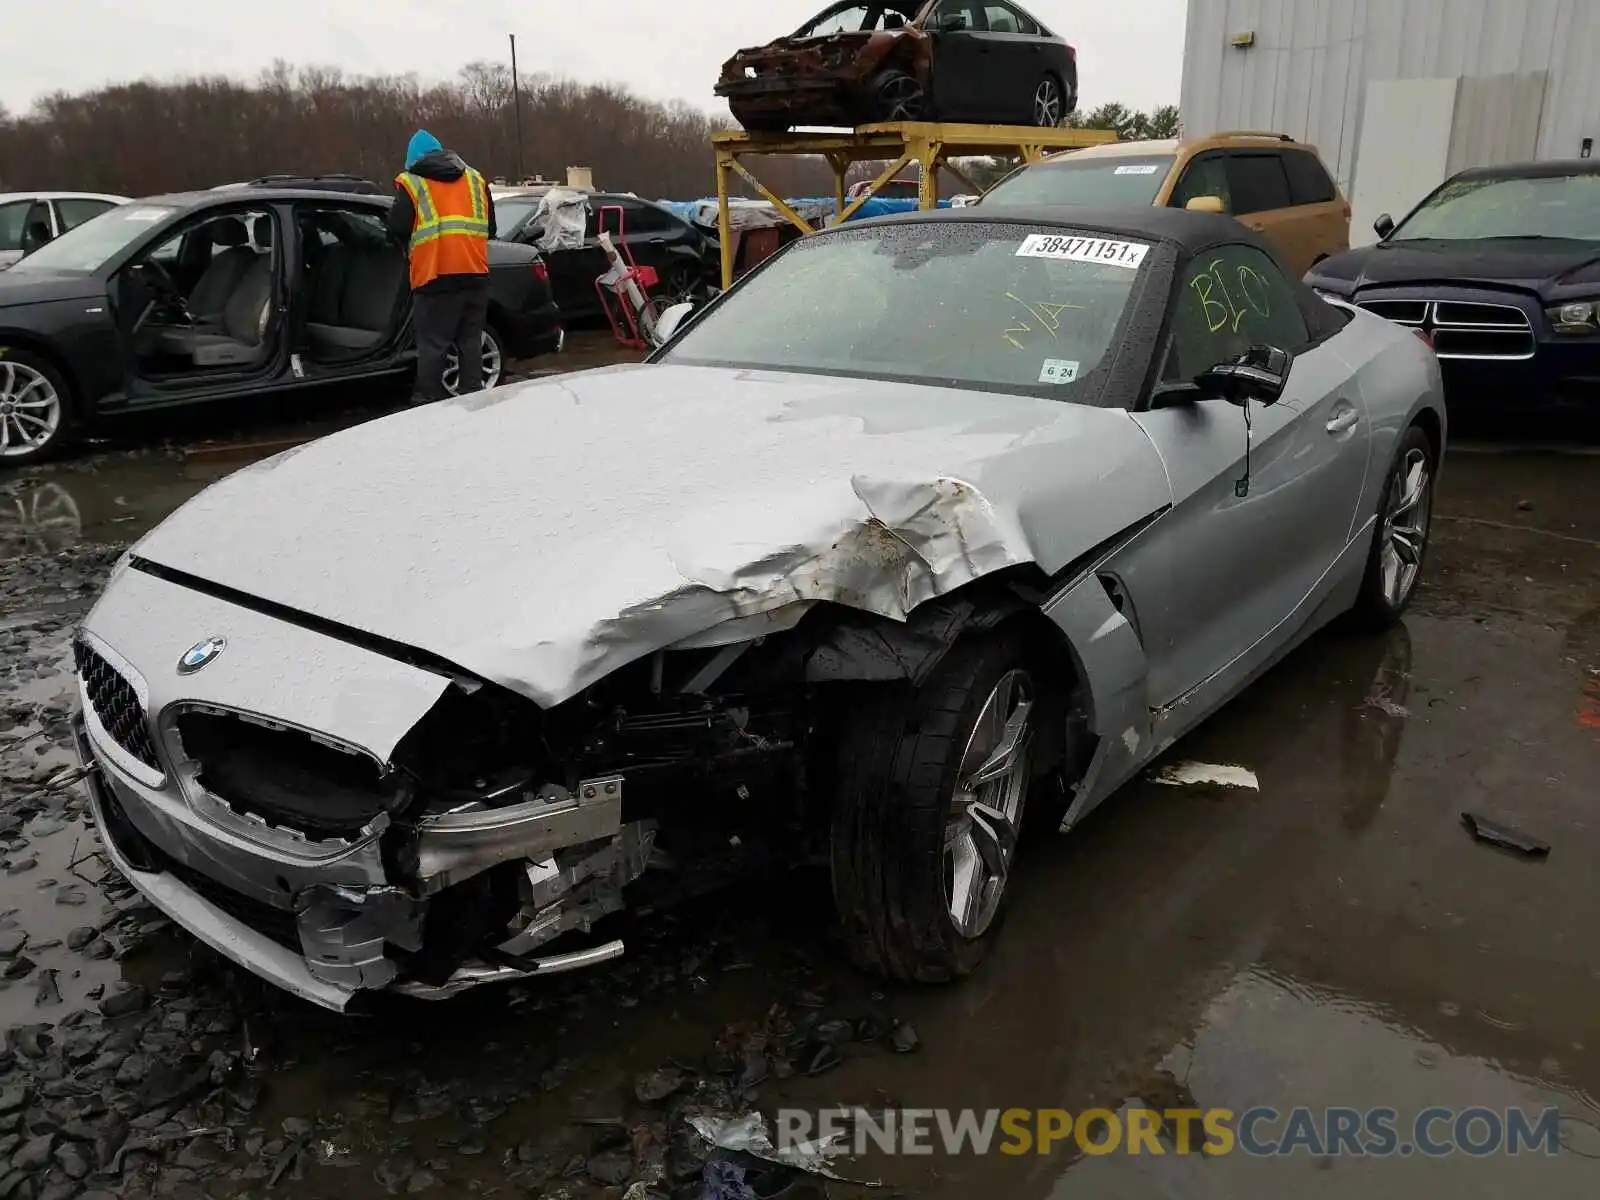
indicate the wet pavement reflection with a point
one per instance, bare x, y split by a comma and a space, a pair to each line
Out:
1335, 938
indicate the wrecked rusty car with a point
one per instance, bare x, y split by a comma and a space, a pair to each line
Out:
906, 60
880, 584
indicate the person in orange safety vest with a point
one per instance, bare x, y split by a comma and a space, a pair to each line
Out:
444, 214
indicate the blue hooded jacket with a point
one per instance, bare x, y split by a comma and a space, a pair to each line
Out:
422, 143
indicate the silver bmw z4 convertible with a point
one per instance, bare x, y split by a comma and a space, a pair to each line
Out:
928, 525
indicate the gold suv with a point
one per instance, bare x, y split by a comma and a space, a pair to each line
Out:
1271, 182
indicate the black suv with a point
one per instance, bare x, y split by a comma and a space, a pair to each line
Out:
276, 284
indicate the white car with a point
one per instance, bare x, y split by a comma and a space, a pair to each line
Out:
30, 219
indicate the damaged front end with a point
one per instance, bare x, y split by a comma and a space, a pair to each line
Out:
493, 833
818, 80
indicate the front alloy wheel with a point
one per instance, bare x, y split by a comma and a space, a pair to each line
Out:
32, 408
493, 365
986, 808
901, 96
930, 790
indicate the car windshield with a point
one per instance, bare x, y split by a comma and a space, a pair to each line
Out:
1565, 207
511, 212
861, 18
998, 307
1094, 182
88, 247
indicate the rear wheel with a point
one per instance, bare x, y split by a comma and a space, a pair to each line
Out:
35, 408
1049, 103
934, 782
1400, 541
493, 363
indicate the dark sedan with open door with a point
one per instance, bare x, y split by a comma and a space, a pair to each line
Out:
906, 60
224, 294
1499, 270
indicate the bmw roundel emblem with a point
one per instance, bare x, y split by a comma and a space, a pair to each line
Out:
200, 655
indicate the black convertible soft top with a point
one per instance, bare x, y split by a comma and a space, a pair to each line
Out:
1189, 233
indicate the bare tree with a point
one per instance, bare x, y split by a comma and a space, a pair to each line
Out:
149, 136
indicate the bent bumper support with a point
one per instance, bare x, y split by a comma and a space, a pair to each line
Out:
202, 919
343, 931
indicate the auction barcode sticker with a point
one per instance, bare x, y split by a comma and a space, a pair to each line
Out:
1136, 169
1084, 249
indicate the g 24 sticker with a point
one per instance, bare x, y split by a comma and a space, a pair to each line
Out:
1058, 370
1105, 252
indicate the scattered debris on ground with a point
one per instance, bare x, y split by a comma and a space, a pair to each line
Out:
1492, 833
1197, 774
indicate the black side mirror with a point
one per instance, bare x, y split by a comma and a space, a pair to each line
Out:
1175, 395
1258, 374
1383, 226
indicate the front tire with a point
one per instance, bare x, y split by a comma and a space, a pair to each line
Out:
35, 408
933, 785
1400, 540
899, 96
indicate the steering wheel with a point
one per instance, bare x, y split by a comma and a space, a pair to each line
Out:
161, 279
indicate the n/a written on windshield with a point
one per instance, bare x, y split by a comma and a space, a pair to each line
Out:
1100, 251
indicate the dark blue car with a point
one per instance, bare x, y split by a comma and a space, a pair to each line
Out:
1499, 268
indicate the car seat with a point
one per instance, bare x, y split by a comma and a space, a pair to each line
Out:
245, 316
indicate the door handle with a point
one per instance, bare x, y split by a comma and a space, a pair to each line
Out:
1344, 422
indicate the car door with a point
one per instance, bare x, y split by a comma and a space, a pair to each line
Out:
1016, 64
962, 70
574, 270
1321, 216
1260, 188
1205, 174
660, 240
1255, 525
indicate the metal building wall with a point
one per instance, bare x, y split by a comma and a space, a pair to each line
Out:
1306, 73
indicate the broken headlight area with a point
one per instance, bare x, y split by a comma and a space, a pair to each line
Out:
497, 828
498, 833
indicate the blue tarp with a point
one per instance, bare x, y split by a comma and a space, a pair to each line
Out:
701, 210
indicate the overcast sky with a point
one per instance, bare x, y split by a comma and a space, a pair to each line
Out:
1128, 50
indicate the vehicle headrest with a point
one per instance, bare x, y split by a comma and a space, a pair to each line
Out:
229, 231
263, 231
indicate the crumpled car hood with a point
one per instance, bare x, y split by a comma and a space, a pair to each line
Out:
544, 534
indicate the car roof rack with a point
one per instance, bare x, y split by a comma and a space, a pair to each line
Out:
329, 183
1256, 133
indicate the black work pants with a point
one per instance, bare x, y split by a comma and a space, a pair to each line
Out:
446, 318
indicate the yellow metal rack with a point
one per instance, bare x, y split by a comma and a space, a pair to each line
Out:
928, 144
